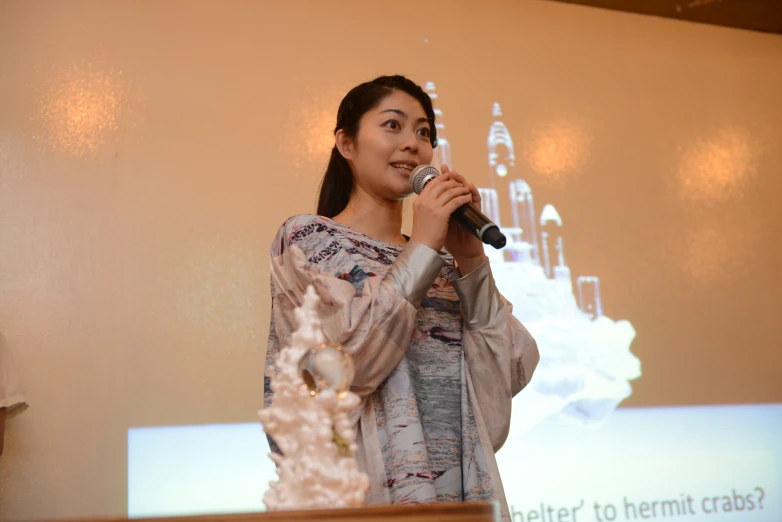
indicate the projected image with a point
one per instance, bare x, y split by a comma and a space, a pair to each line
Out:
571, 453
585, 359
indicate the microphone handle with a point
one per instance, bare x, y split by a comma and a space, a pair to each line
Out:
479, 225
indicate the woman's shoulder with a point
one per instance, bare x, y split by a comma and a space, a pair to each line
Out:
303, 221
304, 231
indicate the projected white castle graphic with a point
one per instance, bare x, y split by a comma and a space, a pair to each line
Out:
586, 363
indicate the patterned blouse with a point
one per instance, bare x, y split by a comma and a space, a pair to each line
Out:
405, 314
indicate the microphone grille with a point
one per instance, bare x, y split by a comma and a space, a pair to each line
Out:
421, 175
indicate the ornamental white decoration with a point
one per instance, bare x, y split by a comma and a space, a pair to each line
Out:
309, 421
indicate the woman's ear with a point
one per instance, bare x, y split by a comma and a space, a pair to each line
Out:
344, 144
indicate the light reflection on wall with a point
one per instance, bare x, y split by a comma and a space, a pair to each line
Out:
557, 150
82, 109
309, 131
716, 168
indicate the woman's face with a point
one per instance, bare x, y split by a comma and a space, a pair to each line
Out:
393, 138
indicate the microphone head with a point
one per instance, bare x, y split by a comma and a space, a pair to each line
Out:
421, 175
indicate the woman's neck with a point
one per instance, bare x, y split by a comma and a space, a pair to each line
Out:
378, 219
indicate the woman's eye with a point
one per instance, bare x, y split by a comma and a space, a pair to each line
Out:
392, 124
424, 132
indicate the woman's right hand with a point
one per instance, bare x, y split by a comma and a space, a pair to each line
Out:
433, 208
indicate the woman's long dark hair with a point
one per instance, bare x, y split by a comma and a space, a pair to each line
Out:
337, 184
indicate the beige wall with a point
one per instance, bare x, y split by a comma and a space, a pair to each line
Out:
149, 150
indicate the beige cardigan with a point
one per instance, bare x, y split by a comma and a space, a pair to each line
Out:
501, 355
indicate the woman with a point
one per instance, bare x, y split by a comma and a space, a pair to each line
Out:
12, 401
438, 354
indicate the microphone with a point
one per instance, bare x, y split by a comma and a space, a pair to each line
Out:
466, 215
